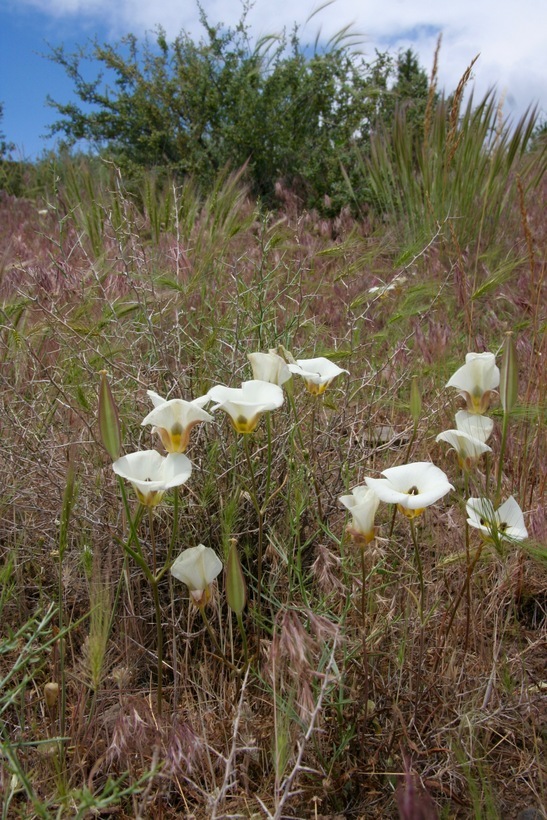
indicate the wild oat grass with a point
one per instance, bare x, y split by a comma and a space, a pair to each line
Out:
170, 292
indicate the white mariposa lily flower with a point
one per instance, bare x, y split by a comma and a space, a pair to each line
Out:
269, 367
507, 522
317, 373
151, 474
468, 449
173, 420
476, 380
197, 567
413, 487
362, 504
479, 427
246, 404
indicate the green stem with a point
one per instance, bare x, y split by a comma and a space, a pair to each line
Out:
306, 456
466, 583
419, 567
174, 536
214, 641
504, 429
366, 669
159, 631
243, 638
467, 563
152, 539
422, 627
260, 516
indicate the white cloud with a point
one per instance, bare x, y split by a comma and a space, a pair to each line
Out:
511, 41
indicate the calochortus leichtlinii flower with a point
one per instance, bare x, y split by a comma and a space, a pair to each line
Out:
246, 404
413, 487
317, 373
362, 504
477, 380
151, 474
479, 427
197, 567
269, 367
173, 420
468, 449
507, 522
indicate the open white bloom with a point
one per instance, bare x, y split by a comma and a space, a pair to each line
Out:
479, 427
468, 449
151, 474
269, 367
247, 403
172, 420
197, 567
505, 522
476, 380
362, 504
317, 373
411, 486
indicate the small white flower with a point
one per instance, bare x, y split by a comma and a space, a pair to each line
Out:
247, 403
411, 486
173, 420
476, 380
468, 449
507, 522
151, 474
317, 373
197, 567
269, 367
479, 427
362, 504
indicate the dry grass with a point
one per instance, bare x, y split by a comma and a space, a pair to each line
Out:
303, 733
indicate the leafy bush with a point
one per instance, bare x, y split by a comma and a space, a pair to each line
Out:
197, 107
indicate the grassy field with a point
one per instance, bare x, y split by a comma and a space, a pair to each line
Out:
403, 679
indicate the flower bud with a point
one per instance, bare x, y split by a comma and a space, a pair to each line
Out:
109, 421
509, 376
236, 588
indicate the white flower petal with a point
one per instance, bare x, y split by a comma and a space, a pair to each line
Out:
477, 375
464, 444
413, 486
318, 371
479, 427
269, 367
197, 567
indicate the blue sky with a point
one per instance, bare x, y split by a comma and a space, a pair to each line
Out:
511, 40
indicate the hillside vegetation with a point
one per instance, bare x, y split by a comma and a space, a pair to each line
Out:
318, 666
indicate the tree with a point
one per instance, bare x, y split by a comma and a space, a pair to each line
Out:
196, 107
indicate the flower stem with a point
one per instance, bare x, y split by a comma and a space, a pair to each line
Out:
421, 611
466, 583
159, 631
152, 539
419, 567
366, 668
260, 516
306, 455
504, 429
243, 638
214, 641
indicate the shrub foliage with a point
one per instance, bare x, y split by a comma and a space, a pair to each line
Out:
293, 114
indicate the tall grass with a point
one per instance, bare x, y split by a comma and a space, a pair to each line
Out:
459, 170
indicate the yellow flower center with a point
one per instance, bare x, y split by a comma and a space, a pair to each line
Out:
244, 425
